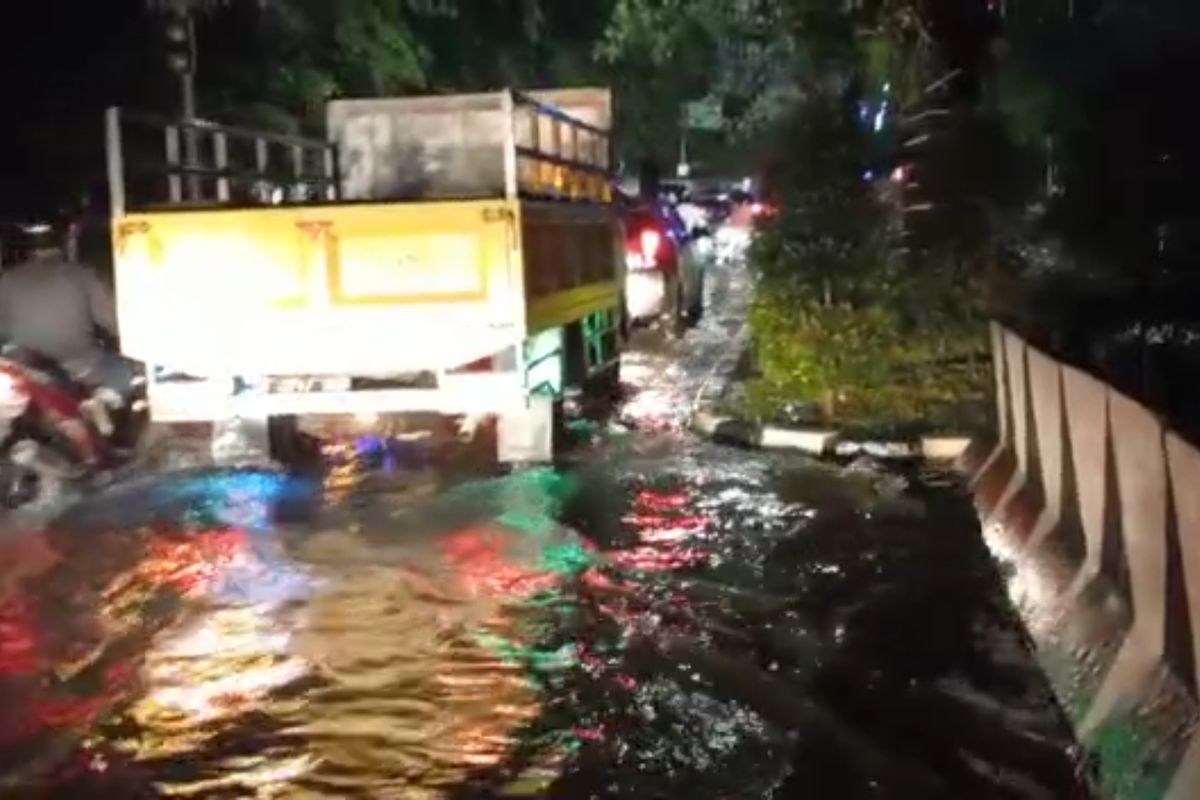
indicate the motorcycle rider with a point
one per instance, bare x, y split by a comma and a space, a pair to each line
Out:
53, 307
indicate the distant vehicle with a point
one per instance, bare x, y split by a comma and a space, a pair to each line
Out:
14, 240
747, 209
664, 266
761, 209
717, 207
675, 193
8, 252
694, 215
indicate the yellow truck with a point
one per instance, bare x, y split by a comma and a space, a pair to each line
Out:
456, 254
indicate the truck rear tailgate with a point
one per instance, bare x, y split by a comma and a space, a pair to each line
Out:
364, 289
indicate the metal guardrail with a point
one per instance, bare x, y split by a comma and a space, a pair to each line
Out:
563, 157
547, 152
201, 164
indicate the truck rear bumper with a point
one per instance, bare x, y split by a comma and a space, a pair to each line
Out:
525, 423
209, 401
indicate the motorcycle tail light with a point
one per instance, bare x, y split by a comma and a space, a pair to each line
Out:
14, 396
643, 252
12, 389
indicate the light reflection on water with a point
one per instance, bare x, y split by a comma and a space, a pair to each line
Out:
329, 662
667, 619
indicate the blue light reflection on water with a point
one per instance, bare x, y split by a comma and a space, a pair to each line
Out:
247, 499
244, 500
391, 455
267, 576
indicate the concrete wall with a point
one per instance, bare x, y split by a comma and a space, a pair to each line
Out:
1095, 508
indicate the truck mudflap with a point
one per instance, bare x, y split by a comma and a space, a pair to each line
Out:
525, 434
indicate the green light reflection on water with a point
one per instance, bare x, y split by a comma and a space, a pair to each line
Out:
1130, 766
530, 503
539, 660
567, 558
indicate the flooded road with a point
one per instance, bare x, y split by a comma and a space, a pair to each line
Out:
660, 617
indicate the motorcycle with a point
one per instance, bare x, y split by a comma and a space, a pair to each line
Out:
55, 431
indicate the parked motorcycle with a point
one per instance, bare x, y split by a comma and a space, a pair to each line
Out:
54, 431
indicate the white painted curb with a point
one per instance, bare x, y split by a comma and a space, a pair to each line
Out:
821, 442
944, 448
816, 442
887, 451
707, 424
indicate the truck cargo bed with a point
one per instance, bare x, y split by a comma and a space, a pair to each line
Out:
370, 288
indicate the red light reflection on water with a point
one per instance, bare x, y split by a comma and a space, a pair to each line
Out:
595, 734
663, 501
658, 530
190, 565
52, 707
480, 559
22, 559
662, 524
654, 559
194, 564
596, 666
18, 638
73, 711
595, 579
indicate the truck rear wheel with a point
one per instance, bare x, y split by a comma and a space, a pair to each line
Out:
677, 312
291, 447
528, 435
696, 308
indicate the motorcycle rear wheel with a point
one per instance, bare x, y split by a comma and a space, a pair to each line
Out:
21, 487
32, 473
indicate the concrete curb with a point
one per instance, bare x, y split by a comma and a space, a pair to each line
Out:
820, 442
823, 442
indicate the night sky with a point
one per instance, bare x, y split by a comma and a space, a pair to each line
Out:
62, 62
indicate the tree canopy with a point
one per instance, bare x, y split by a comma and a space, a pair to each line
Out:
270, 63
275, 62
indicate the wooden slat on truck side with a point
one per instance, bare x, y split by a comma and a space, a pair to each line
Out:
573, 261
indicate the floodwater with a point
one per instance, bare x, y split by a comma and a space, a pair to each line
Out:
660, 617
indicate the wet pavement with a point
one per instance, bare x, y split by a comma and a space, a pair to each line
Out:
659, 617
